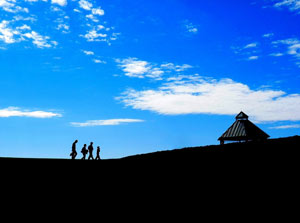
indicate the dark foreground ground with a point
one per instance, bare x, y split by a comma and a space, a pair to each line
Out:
253, 164
281, 149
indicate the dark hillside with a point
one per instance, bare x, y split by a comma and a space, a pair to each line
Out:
282, 149
272, 149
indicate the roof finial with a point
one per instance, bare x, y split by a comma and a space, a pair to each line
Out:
242, 116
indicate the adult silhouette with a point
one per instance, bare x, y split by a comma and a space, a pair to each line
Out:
98, 153
84, 151
90, 148
73, 154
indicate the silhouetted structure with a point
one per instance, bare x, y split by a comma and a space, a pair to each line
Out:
73, 154
98, 153
243, 130
84, 151
90, 148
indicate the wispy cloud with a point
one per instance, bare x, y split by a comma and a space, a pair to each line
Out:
292, 5
190, 27
94, 35
276, 54
39, 40
99, 61
253, 58
133, 67
297, 126
251, 45
293, 47
108, 122
17, 12
86, 52
177, 68
10, 34
137, 68
18, 112
248, 52
200, 95
60, 2
94, 11
86, 5
268, 35
12, 7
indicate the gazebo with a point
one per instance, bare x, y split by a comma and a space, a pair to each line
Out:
243, 130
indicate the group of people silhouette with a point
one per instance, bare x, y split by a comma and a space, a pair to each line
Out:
85, 151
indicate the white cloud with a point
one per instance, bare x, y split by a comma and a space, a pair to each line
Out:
177, 68
92, 17
293, 5
276, 54
251, 45
296, 126
24, 27
11, 6
191, 28
87, 5
134, 67
8, 34
98, 11
293, 47
253, 58
99, 61
88, 52
17, 112
39, 40
108, 122
222, 97
94, 36
35, 0
64, 27
59, 2
268, 35
286, 127
84, 4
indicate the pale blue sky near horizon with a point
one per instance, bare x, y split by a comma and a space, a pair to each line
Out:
141, 76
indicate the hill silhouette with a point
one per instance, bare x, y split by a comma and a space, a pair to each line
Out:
280, 149
269, 150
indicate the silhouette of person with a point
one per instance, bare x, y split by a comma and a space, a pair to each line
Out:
90, 148
73, 154
84, 151
98, 153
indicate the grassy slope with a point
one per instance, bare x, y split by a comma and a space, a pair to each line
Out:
272, 149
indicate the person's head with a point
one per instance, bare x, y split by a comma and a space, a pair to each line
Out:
98, 147
92, 143
84, 145
76, 141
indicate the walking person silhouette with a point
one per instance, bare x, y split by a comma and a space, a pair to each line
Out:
73, 154
84, 151
90, 148
98, 153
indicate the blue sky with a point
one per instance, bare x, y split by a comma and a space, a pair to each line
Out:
141, 76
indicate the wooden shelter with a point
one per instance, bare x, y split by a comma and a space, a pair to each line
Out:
243, 130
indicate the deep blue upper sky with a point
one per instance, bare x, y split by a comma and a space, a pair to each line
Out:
141, 76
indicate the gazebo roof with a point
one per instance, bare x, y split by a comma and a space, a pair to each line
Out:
243, 129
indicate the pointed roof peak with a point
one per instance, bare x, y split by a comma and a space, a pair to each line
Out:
243, 129
241, 116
